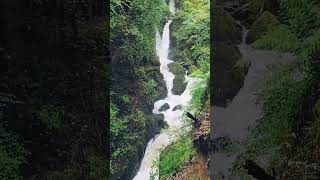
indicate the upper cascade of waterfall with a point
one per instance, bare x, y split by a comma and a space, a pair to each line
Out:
172, 6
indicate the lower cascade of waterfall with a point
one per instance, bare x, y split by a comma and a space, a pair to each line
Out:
172, 118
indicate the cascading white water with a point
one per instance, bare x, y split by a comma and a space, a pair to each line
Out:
173, 118
172, 6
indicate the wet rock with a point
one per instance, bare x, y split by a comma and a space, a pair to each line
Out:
164, 107
177, 107
226, 28
261, 26
176, 69
154, 125
230, 78
179, 85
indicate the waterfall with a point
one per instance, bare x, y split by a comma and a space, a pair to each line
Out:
172, 6
173, 118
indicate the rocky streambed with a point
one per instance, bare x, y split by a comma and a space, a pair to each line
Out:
240, 72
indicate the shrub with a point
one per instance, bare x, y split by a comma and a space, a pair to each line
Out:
280, 39
174, 157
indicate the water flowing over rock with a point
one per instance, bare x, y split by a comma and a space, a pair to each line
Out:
172, 118
232, 124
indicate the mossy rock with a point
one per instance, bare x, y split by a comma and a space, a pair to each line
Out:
154, 124
177, 107
164, 107
229, 78
226, 29
179, 85
250, 10
261, 26
176, 69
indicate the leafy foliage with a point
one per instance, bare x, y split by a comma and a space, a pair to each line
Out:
194, 31
303, 16
282, 102
174, 157
279, 39
12, 156
198, 94
136, 80
133, 27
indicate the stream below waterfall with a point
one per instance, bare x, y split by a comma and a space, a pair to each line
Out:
235, 121
172, 118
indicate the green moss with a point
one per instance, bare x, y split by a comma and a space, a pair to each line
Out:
261, 26
176, 69
179, 85
225, 27
280, 39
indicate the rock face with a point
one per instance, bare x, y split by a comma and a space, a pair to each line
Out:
179, 83
226, 29
164, 107
230, 78
227, 78
261, 26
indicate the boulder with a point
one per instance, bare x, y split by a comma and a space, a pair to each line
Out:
261, 26
225, 28
176, 69
164, 107
179, 85
229, 78
177, 107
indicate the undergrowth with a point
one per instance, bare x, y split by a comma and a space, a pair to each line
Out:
174, 157
280, 39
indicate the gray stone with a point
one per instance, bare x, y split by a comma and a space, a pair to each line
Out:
164, 107
178, 107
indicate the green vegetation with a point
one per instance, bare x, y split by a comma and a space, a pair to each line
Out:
136, 81
262, 25
288, 133
303, 16
192, 39
198, 94
280, 39
282, 102
175, 157
12, 156
194, 32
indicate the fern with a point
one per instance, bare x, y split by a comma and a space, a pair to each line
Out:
280, 39
303, 16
